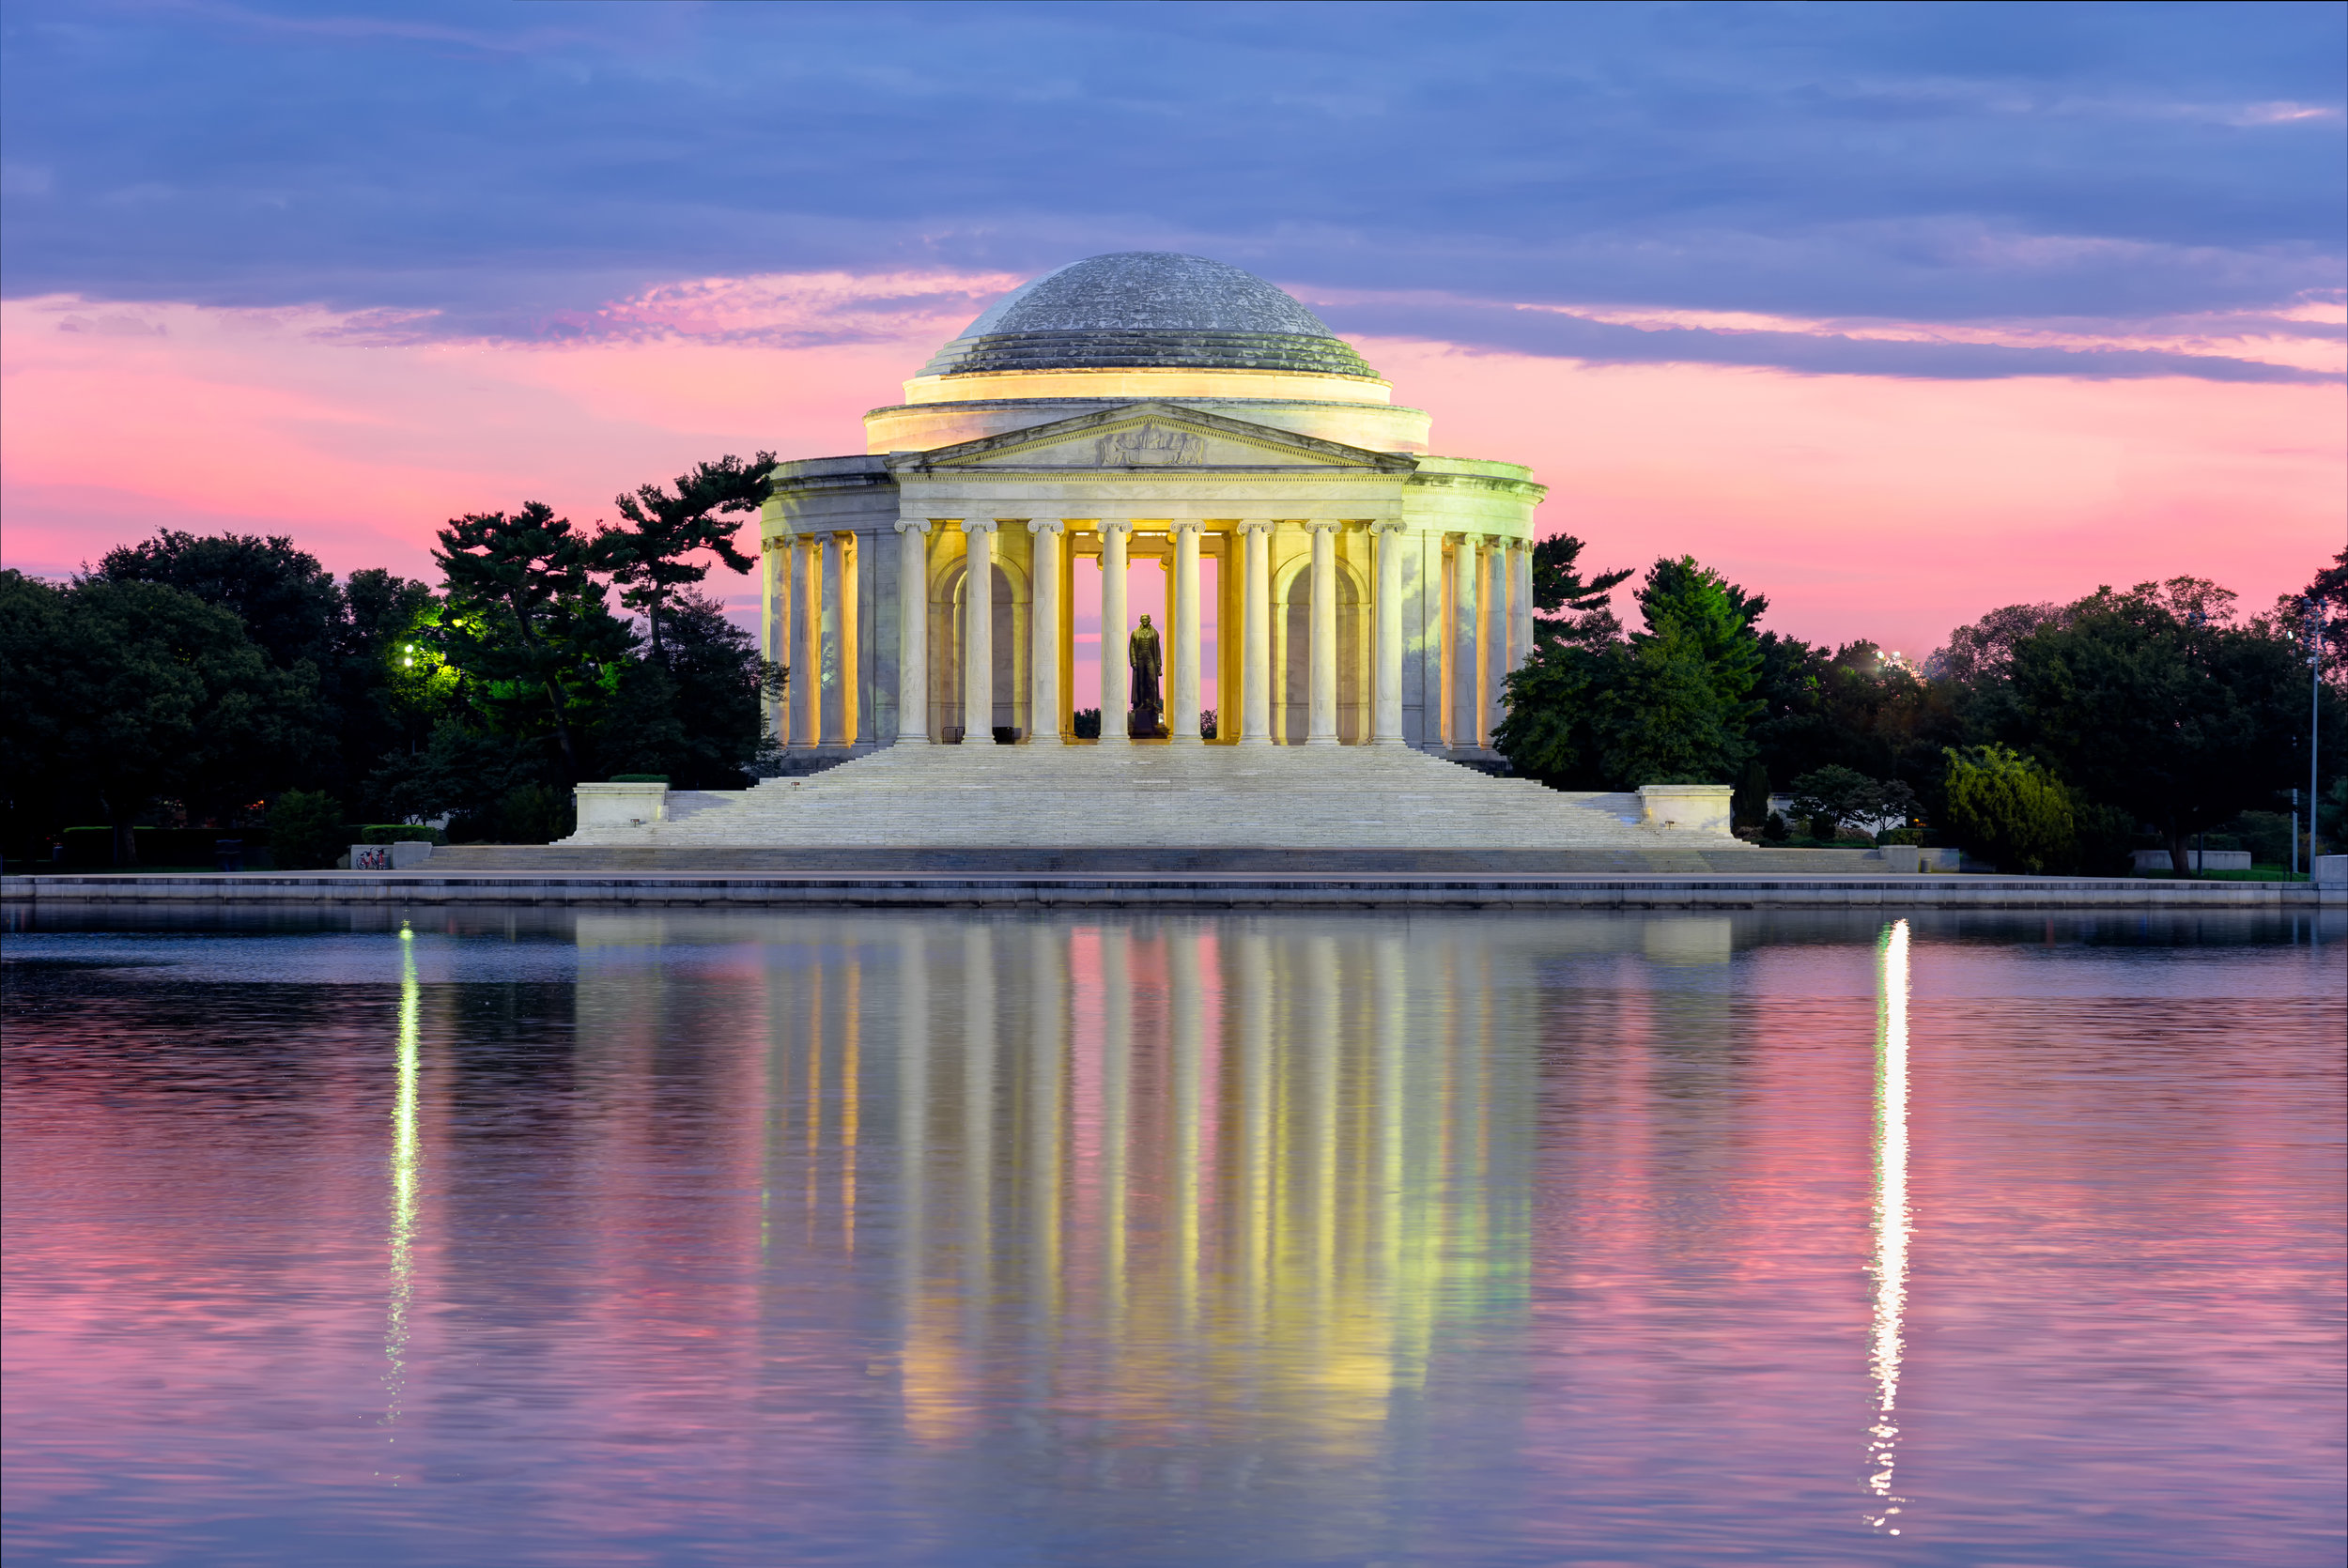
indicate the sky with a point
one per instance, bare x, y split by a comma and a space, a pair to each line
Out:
1896, 313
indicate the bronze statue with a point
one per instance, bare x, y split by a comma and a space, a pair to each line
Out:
1141, 653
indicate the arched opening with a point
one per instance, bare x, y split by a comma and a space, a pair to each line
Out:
1292, 660
948, 610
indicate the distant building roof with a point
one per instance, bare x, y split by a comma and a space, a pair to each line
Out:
1148, 310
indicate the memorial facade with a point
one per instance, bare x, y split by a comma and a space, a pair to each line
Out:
1147, 411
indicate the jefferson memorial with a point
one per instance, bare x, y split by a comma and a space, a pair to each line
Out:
1146, 412
1149, 411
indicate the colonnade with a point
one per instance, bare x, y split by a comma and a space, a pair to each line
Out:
1477, 628
813, 593
1491, 575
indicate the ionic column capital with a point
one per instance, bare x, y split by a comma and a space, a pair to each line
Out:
913, 525
1046, 525
1257, 525
979, 525
1176, 528
1114, 525
1388, 525
1323, 525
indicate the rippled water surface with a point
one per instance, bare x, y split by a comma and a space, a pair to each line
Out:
955, 1239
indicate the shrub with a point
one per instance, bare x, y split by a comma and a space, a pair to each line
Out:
306, 831
1774, 828
639, 778
535, 814
2009, 810
1088, 724
399, 833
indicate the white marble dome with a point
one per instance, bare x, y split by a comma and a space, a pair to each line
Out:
1147, 310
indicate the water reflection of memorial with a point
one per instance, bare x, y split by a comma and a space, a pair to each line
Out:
1170, 1168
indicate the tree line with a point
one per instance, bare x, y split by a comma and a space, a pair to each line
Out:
2043, 737
231, 681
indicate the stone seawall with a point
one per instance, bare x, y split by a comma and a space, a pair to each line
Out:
25, 896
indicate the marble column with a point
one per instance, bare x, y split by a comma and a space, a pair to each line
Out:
912, 631
774, 581
1386, 712
1466, 686
807, 711
1182, 710
1255, 636
1044, 635
978, 632
1521, 606
847, 638
1113, 630
1321, 718
1492, 651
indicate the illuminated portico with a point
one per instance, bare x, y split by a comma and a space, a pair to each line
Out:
1177, 413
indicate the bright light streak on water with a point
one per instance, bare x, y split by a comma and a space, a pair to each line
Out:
1892, 1216
407, 1156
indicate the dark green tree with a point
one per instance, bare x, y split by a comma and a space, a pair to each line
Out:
1670, 705
290, 604
1832, 795
2157, 701
649, 558
696, 716
1670, 718
1718, 618
2009, 809
1564, 608
1551, 730
525, 624
126, 693
306, 830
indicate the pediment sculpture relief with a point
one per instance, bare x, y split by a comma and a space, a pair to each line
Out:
1150, 446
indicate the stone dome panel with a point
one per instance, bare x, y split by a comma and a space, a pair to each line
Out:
1144, 309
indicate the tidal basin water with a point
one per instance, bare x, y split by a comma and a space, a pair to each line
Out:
1121, 1239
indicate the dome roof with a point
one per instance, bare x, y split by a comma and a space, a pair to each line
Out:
1145, 310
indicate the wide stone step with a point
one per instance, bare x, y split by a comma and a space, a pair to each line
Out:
1339, 799
1148, 860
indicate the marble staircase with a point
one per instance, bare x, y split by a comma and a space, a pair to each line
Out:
1139, 808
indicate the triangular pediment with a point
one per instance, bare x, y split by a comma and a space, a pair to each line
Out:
1149, 436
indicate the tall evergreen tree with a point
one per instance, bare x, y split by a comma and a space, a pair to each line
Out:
526, 622
1564, 608
648, 556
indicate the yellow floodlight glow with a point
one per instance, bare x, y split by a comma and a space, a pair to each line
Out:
1893, 1223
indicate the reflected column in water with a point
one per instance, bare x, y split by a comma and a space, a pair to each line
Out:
1117, 1004
1182, 1001
1047, 1010
977, 1129
1891, 1217
1252, 1211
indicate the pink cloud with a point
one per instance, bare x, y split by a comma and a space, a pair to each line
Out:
1866, 507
